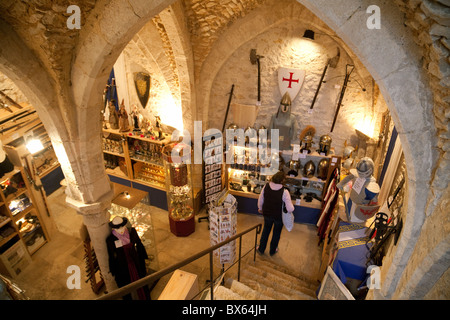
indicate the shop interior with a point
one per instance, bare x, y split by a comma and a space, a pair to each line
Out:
303, 81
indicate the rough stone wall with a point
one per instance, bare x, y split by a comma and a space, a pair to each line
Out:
283, 46
10, 88
430, 22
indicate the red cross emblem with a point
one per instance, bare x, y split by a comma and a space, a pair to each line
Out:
290, 80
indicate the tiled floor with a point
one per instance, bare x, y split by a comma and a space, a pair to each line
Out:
45, 278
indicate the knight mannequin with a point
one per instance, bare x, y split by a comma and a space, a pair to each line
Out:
284, 121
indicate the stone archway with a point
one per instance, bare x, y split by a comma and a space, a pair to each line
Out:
392, 58
389, 54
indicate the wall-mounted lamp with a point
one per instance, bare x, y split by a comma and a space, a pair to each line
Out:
309, 34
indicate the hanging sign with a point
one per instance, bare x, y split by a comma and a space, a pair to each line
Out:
291, 81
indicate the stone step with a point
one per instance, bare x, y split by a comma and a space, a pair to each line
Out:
280, 280
245, 291
296, 283
263, 288
271, 286
223, 293
308, 281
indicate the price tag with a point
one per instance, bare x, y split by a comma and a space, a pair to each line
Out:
297, 202
358, 185
118, 243
296, 151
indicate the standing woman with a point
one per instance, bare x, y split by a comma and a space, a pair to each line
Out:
270, 205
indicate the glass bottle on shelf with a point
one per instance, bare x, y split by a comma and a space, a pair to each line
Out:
179, 188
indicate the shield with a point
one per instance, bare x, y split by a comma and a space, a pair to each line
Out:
142, 83
291, 81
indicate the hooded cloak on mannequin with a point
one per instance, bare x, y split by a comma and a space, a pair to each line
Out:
284, 121
127, 256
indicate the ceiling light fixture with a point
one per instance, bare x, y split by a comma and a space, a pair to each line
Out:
309, 34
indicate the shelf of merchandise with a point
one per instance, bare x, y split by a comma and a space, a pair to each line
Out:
24, 223
43, 164
305, 212
136, 170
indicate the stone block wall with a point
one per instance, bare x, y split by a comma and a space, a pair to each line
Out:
426, 273
283, 46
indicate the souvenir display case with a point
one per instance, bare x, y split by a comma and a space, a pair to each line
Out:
307, 174
180, 198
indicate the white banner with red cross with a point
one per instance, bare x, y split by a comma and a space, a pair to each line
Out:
291, 81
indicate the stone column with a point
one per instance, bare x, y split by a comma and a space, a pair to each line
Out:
96, 219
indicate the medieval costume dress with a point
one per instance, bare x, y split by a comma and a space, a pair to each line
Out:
127, 258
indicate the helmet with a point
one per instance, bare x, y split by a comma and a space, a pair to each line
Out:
309, 169
365, 167
322, 169
307, 143
325, 144
294, 164
285, 102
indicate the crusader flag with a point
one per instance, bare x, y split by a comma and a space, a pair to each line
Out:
142, 83
291, 81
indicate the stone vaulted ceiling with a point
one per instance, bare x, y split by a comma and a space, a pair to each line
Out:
41, 24
208, 18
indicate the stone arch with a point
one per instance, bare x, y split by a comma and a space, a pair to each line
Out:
392, 58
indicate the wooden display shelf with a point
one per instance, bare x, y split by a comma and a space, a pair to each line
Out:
5, 222
23, 213
114, 153
5, 240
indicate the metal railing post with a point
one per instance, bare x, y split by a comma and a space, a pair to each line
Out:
239, 261
211, 274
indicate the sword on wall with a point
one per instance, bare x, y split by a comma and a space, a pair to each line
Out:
348, 71
331, 63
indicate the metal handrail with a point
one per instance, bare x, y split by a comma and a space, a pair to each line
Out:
119, 293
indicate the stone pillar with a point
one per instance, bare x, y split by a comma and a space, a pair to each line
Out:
96, 219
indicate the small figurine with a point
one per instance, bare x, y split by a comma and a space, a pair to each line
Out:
123, 119
113, 117
135, 118
158, 128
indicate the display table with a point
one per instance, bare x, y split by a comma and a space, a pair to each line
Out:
352, 253
181, 286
